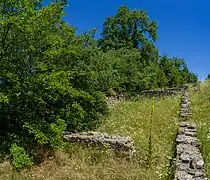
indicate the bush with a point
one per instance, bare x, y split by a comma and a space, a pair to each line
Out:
41, 107
19, 157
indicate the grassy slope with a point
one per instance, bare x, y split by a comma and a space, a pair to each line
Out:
128, 119
201, 115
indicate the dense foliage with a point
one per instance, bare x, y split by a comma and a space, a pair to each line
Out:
53, 80
129, 29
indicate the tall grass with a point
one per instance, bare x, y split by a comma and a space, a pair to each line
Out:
158, 129
200, 103
128, 118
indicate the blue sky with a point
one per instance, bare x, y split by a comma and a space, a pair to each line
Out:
184, 25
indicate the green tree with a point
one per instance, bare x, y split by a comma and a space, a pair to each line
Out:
39, 55
176, 71
127, 29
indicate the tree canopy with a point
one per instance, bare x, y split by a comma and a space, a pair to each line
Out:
128, 29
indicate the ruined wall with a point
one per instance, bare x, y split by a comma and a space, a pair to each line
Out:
148, 93
163, 92
159, 93
123, 145
185, 110
189, 161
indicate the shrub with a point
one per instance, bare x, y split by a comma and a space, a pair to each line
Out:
41, 107
19, 157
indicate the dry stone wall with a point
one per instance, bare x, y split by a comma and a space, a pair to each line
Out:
158, 93
189, 161
122, 145
163, 93
148, 93
185, 107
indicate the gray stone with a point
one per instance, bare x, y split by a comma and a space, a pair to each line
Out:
185, 157
183, 175
125, 145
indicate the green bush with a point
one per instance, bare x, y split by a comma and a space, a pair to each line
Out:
42, 90
20, 158
44, 101
41, 107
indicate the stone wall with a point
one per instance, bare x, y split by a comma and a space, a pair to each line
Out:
189, 161
148, 93
185, 111
163, 92
159, 93
122, 145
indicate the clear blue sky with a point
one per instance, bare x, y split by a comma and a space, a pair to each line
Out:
184, 25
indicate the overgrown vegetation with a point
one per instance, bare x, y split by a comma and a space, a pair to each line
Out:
201, 115
127, 119
54, 80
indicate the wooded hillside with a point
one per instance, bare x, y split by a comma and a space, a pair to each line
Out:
52, 79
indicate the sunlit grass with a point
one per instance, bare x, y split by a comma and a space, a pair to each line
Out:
133, 119
126, 119
201, 115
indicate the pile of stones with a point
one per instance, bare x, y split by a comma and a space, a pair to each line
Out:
120, 144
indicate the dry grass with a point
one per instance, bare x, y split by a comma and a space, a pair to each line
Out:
201, 115
127, 119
